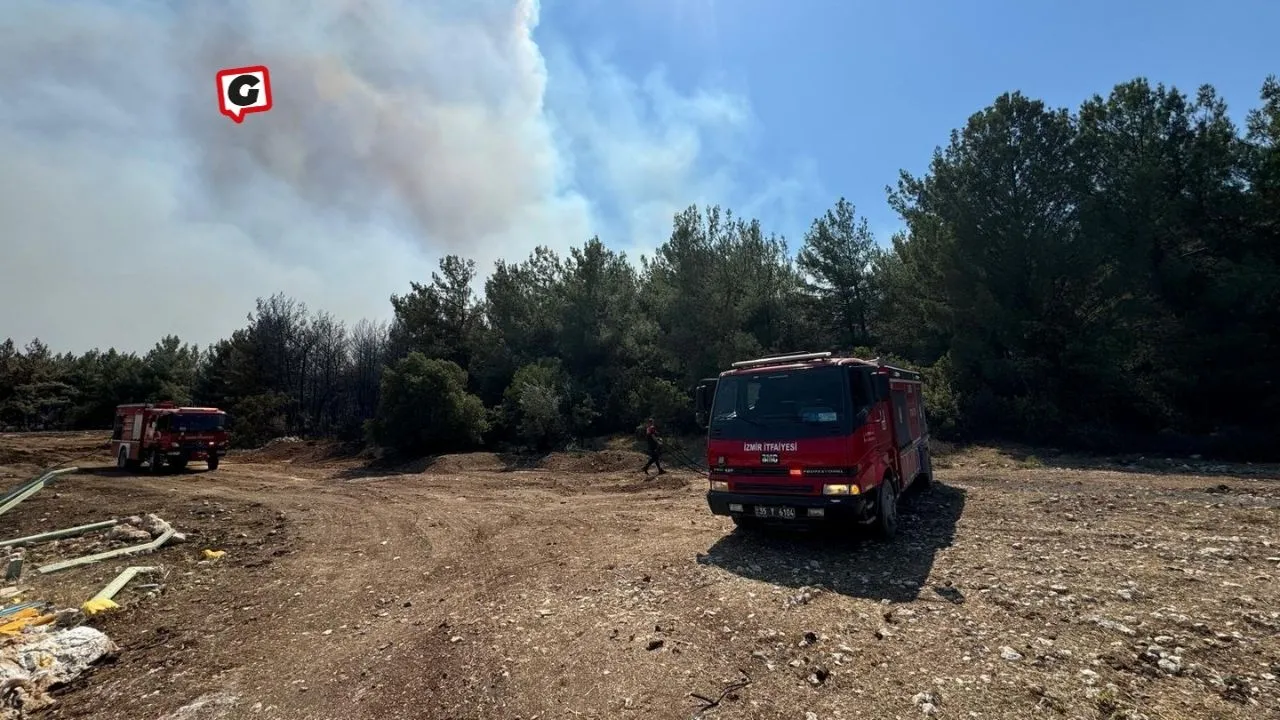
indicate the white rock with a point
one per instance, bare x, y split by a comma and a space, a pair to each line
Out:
1009, 653
128, 533
1113, 625
155, 525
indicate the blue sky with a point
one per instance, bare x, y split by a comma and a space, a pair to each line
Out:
841, 95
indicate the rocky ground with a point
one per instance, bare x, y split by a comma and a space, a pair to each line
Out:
481, 586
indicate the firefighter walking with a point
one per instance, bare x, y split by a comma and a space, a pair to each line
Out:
651, 437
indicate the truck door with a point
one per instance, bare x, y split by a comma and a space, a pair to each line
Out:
908, 462
913, 411
901, 424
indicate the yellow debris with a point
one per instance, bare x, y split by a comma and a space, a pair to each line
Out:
214, 554
14, 623
21, 619
97, 605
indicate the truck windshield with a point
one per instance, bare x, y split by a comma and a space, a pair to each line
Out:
197, 422
776, 405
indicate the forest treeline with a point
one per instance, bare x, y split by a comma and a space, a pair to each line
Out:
1106, 278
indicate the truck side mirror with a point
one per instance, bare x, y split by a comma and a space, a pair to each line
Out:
702, 395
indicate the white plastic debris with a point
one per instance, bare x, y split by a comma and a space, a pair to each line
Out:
35, 661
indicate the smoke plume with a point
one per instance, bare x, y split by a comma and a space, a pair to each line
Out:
400, 131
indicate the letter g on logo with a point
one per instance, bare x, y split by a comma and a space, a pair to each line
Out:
243, 90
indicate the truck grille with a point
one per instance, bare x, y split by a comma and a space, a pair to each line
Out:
193, 447
774, 488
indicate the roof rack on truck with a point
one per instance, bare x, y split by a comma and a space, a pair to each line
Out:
898, 373
798, 357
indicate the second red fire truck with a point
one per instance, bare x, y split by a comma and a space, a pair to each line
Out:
812, 437
164, 434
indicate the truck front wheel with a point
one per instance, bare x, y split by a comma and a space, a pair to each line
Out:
156, 462
886, 523
213, 461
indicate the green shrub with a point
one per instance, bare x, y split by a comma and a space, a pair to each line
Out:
425, 408
941, 403
533, 408
662, 400
541, 421
256, 419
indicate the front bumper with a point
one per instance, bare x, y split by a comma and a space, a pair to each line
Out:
197, 452
807, 507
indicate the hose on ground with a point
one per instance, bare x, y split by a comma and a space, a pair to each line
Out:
682, 458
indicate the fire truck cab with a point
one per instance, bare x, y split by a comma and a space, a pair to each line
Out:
814, 438
161, 434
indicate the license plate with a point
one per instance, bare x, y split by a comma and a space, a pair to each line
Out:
767, 511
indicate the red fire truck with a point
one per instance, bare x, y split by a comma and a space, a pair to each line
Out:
165, 434
812, 437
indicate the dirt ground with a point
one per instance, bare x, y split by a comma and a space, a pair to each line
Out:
480, 586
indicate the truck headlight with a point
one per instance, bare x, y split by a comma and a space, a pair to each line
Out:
840, 490
720, 485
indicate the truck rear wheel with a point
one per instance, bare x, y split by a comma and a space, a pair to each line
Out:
122, 459
886, 523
